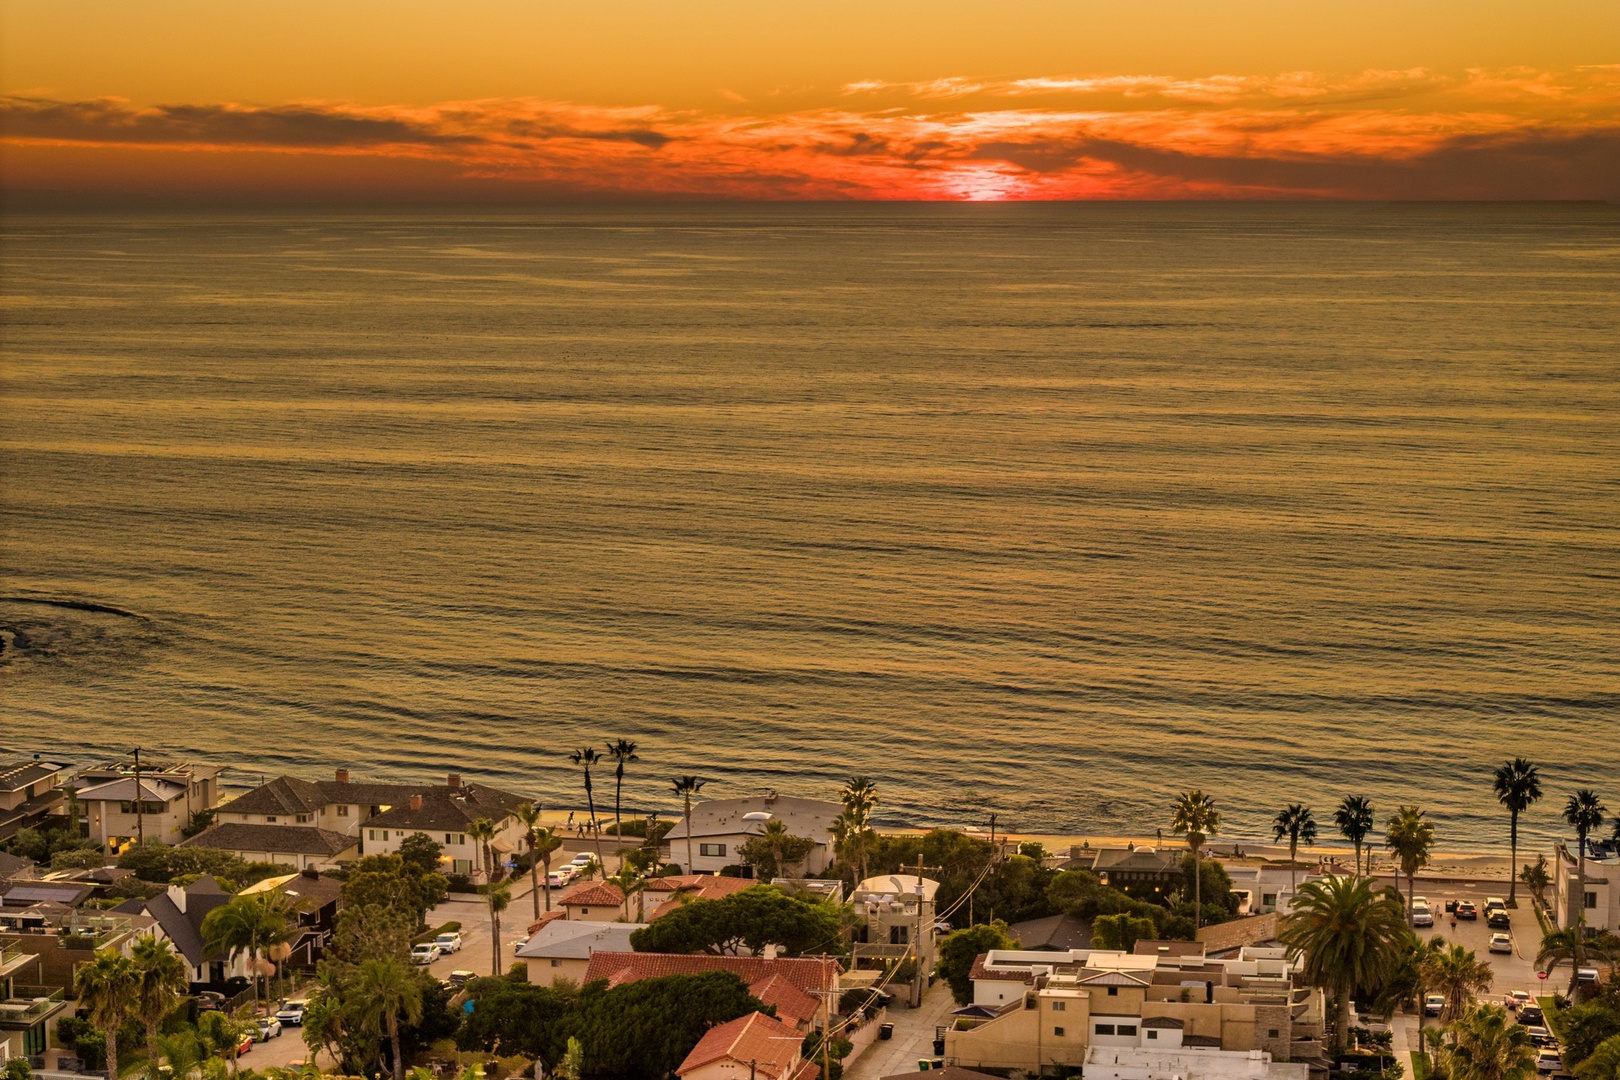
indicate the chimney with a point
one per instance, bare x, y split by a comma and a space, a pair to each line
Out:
343, 776
416, 802
768, 952
454, 780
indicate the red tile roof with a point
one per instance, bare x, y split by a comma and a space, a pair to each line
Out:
792, 1004
684, 888
769, 1044
550, 916
804, 973
605, 894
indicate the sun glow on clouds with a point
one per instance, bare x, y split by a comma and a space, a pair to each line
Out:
1379, 134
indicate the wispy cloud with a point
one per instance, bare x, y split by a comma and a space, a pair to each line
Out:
1513, 133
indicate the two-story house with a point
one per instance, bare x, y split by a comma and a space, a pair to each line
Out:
445, 815
720, 827
28, 794
125, 805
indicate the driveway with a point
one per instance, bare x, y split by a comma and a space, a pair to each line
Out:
913, 1037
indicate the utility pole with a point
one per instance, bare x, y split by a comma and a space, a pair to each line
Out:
916, 942
140, 821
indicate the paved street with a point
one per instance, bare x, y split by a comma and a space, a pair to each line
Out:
913, 1037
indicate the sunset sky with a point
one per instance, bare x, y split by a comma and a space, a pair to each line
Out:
482, 101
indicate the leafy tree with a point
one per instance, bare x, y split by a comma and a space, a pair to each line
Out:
1120, 932
77, 859
1350, 937
1354, 817
512, 1017
774, 850
105, 988
1032, 849
1456, 974
1411, 838
389, 881
388, 992
744, 922
960, 948
421, 854
1214, 884
160, 981
647, 1028
200, 822
1486, 1047
1604, 1062
685, 788
17, 1069
163, 864
1196, 818
1517, 784
1583, 1028
1296, 823
42, 845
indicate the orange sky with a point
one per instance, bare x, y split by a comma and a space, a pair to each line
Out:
496, 101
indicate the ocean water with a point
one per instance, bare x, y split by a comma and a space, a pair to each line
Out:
1050, 512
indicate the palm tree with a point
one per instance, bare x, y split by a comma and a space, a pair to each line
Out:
685, 788
1350, 935
1571, 945
483, 831
586, 757
1536, 877
249, 925
623, 752
106, 988
542, 843
1518, 786
1411, 838
386, 991
160, 982
1456, 974
1354, 817
500, 898
630, 882
1196, 818
1584, 812
1296, 823
1603, 1063
1485, 1046
860, 798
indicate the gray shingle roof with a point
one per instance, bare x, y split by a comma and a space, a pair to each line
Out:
15, 775
280, 839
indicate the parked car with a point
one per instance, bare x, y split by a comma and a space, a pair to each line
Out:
1549, 1061
1502, 943
1587, 975
1498, 920
292, 1013
1467, 910
425, 952
269, 1028
461, 976
1540, 1038
583, 859
1433, 1004
1514, 999
558, 878
1421, 915
448, 943
1531, 1014
1495, 903
209, 1001
245, 1043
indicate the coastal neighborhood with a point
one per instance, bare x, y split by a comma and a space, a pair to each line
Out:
167, 919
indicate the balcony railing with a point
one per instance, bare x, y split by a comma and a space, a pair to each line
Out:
29, 1004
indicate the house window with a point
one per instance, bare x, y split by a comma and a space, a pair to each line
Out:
1105, 1029
373, 833
556, 963
1152, 1033
447, 838
1057, 1031
461, 866
343, 811
269, 819
302, 819
899, 935
385, 834
1268, 899
1591, 900
1273, 1033
1058, 1006
584, 911
461, 838
1127, 1029
718, 850
1113, 991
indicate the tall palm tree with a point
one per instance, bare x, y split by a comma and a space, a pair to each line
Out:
1518, 787
1196, 818
623, 752
685, 788
1457, 975
483, 832
1354, 817
1296, 823
500, 898
1484, 1046
1584, 812
630, 882
860, 798
1350, 936
537, 837
106, 989
586, 758
1571, 945
160, 982
250, 926
1411, 838
385, 992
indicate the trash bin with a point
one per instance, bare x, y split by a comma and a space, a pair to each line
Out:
885, 1031
939, 1047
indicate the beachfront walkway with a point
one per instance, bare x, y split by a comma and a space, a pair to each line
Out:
913, 1037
